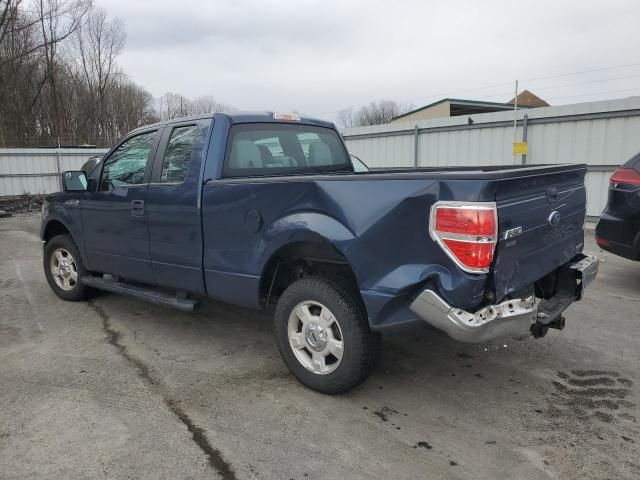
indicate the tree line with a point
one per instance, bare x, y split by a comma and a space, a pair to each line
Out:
375, 113
60, 83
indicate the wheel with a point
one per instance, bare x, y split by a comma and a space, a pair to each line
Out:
323, 335
63, 268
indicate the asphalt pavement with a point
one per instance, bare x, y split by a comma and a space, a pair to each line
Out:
118, 388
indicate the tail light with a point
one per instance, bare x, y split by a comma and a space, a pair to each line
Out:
628, 176
603, 242
467, 232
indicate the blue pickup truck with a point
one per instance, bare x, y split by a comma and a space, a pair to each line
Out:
264, 209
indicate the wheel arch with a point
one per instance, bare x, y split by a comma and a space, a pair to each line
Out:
304, 255
54, 227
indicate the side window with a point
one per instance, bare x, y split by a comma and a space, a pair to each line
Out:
126, 166
178, 154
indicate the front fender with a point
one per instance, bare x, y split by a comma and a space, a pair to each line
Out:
68, 214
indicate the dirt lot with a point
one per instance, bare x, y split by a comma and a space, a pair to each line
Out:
121, 389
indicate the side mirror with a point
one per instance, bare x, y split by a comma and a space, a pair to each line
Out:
74, 181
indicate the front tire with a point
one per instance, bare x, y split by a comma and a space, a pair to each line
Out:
323, 335
63, 269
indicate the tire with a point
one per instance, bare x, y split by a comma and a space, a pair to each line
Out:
62, 254
324, 303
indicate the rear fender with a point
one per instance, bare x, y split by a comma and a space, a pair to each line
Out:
306, 227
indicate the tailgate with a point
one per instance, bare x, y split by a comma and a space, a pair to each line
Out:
540, 226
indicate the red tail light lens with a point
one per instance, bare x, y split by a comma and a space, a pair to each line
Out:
466, 221
626, 175
467, 232
471, 254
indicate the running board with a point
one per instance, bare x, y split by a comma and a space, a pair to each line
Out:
141, 293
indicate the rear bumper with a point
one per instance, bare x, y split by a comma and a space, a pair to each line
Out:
511, 318
619, 236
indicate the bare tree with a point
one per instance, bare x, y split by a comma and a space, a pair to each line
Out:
172, 105
379, 113
98, 42
376, 113
59, 19
346, 118
8, 17
59, 79
208, 104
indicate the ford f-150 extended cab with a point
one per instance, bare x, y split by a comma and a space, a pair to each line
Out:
267, 209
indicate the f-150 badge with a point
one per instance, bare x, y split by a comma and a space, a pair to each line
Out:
513, 232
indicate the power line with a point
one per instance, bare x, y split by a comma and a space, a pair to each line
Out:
535, 79
597, 93
581, 72
588, 82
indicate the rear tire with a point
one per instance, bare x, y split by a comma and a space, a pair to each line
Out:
63, 269
323, 335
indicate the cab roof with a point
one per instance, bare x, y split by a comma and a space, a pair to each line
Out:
242, 117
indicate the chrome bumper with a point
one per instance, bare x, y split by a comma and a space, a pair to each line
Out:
511, 318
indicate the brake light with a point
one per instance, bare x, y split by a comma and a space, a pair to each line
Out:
471, 221
625, 175
290, 117
467, 232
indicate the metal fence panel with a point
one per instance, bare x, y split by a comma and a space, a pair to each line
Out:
600, 134
36, 170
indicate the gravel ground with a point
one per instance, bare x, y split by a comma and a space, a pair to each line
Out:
20, 203
117, 388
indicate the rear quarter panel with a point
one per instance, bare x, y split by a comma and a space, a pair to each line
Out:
380, 226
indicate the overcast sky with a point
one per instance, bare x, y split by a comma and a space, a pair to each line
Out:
318, 57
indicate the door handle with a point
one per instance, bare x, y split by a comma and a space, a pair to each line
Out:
137, 208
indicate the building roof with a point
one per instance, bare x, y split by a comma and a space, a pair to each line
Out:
495, 106
528, 99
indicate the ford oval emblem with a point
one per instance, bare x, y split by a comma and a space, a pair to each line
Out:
554, 218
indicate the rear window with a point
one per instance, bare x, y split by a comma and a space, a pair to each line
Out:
262, 149
633, 163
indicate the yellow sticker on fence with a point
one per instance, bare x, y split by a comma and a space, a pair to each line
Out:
520, 148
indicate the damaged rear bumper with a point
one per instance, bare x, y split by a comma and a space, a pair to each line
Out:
511, 318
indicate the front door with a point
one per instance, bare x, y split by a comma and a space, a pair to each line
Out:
114, 216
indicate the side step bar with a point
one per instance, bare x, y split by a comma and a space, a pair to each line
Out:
141, 293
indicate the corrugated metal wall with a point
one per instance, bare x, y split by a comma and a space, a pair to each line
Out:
36, 170
600, 134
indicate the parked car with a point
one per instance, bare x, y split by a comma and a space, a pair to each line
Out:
266, 209
618, 230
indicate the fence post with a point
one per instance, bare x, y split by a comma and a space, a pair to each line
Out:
525, 124
415, 146
58, 165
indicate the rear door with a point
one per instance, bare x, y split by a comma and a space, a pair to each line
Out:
114, 216
540, 225
175, 237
